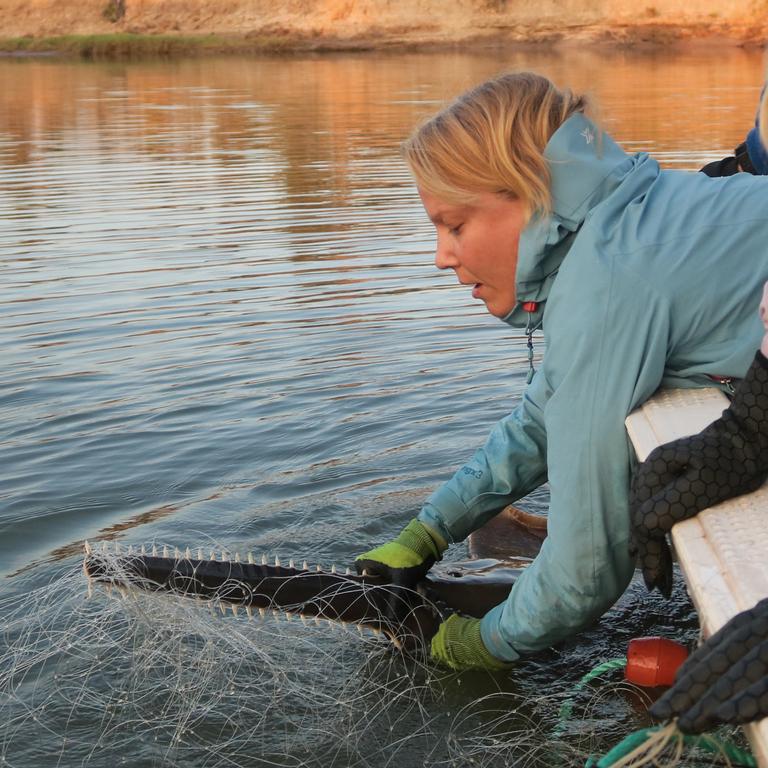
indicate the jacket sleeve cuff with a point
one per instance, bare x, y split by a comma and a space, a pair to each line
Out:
430, 518
490, 632
761, 359
445, 513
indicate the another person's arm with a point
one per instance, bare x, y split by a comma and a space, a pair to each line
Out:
750, 156
725, 681
764, 317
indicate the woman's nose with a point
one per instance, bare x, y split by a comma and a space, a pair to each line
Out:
444, 255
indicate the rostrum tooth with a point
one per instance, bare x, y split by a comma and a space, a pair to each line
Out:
199, 553
263, 559
250, 558
291, 564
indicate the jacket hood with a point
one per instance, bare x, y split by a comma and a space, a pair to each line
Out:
585, 165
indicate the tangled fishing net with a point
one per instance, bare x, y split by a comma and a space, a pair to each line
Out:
151, 679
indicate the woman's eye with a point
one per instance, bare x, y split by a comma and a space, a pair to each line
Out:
455, 230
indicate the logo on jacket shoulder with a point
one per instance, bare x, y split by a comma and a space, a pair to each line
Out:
476, 473
588, 135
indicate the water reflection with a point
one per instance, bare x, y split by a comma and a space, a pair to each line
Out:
318, 114
213, 265
221, 325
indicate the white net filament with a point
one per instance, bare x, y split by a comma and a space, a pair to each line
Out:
149, 678
133, 677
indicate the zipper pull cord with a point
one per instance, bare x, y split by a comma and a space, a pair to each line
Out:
530, 307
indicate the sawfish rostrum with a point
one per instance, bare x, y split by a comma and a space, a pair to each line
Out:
409, 617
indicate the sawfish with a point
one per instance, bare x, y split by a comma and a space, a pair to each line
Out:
407, 616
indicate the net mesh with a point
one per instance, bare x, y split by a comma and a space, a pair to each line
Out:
150, 679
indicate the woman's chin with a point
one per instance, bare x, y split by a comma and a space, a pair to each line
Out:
498, 310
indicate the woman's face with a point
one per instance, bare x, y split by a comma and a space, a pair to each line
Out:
479, 243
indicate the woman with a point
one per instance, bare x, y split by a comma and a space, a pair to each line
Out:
638, 277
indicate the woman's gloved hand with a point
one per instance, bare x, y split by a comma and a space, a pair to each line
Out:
725, 680
406, 559
458, 645
728, 458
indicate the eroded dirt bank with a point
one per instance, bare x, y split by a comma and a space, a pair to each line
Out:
354, 23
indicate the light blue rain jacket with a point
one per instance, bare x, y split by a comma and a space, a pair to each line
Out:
644, 278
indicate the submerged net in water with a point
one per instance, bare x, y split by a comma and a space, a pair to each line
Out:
146, 678
151, 679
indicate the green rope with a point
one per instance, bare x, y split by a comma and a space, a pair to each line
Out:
706, 743
566, 709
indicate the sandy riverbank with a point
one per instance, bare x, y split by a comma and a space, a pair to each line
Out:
354, 24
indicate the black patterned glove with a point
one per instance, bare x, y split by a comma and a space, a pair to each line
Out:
725, 680
679, 479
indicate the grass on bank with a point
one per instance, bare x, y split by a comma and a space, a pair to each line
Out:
127, 45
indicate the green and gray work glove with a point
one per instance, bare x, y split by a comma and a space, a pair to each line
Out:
458, 645
404, 561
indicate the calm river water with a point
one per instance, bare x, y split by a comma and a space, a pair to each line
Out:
221, 323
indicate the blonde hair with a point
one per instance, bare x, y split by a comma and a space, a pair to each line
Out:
763, 119
492, 139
